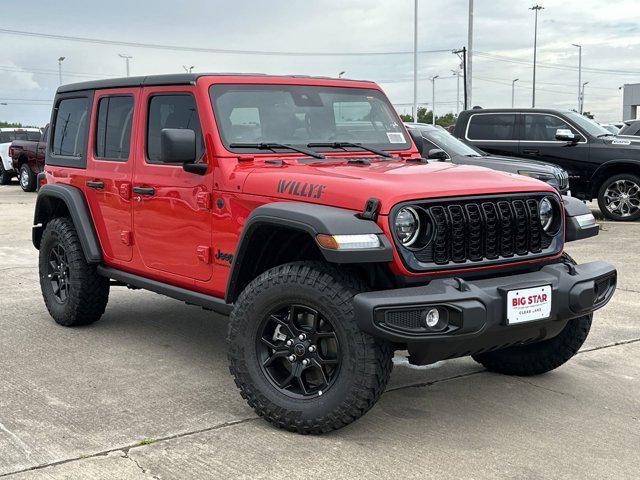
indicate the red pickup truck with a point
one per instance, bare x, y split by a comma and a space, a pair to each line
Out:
27, 158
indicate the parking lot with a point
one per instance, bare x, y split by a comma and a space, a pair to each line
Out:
146, 393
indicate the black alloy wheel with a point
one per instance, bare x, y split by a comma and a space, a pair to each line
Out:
58, 273
299, 351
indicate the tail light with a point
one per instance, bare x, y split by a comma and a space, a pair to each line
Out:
11, 152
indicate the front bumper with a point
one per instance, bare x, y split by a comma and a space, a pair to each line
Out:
476, 311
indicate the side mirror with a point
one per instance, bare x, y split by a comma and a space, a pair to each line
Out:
566, 135
437, 154
177, 145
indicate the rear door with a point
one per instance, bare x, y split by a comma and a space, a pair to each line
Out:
538, 142
171, 215
493, 132
110, 169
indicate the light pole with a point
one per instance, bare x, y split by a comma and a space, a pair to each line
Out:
433, 98
126, 58
456, 73
341, 74
415, 61
536, 9
60, 60
468, 70
513, 92
188, 69
582, 98
579, 70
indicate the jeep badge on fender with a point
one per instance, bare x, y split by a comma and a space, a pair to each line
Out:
335, 243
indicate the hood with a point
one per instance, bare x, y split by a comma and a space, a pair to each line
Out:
512, 164
347, 185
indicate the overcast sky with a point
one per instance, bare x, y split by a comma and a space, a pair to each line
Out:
608, 31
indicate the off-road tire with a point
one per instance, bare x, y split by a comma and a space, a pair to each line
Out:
88, 292
27, 178
540, 357
366, 361
602, 203
5, 177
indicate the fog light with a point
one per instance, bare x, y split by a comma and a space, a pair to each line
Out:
432, 318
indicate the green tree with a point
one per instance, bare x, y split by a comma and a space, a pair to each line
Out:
9, 124
426, 116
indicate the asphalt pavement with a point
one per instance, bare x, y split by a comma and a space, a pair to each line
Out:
146, 393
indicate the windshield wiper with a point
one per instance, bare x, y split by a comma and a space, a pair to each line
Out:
605, 135
273, 146
382, 153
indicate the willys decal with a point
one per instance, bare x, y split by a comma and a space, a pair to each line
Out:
300, 189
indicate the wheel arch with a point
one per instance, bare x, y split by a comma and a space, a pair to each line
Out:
55, 200
610, 168
282, 232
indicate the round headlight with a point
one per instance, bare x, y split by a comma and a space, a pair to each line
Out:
407, 226
546, 213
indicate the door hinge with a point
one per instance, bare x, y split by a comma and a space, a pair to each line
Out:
125, 191
204, 253
204, 200
125, 237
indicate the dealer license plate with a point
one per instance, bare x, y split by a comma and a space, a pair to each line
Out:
528, 304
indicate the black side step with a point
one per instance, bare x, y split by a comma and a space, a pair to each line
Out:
209, 302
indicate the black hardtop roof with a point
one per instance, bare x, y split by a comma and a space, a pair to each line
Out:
167, 79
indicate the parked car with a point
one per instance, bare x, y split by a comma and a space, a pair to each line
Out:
611, 128
27, 158
600, 165
309, 216
631, 127
435, 143
8, 135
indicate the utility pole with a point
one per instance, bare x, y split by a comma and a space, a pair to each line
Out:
415, 61
456, 73
582, 98
126, 58
60, 60
469, 55
462, 55
536, 9
579, 70
433, 98
513, 92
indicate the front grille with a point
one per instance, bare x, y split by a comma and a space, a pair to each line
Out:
481, 230
563, 180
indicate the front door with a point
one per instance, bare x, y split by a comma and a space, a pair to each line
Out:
538, 142
171, 215
110, 169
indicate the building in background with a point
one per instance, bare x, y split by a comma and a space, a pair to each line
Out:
630, 101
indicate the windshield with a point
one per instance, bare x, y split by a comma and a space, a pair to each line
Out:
449, 143
301, 115
588, 125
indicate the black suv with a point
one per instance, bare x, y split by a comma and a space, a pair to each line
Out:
600, 164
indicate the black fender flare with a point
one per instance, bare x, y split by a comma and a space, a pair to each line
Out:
312, 219
74, 200
573, 230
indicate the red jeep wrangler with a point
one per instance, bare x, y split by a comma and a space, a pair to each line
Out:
300, 207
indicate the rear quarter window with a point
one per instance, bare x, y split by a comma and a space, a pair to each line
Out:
69, 136
489, 126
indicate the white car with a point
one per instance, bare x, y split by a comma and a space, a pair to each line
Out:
8, 135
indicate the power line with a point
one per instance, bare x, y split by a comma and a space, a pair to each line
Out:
182, 48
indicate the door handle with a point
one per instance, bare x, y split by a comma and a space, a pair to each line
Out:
144, 190
95, 184
531, 151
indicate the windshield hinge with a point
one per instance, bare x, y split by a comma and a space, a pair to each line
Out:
371, 208
245, 158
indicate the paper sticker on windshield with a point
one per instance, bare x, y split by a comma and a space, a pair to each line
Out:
395, 137
620, 142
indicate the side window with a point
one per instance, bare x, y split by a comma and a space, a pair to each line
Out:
491, 127
542, 128
113, 127
69, 137
171, 111
45, 134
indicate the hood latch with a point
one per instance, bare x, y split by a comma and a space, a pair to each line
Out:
371, 209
